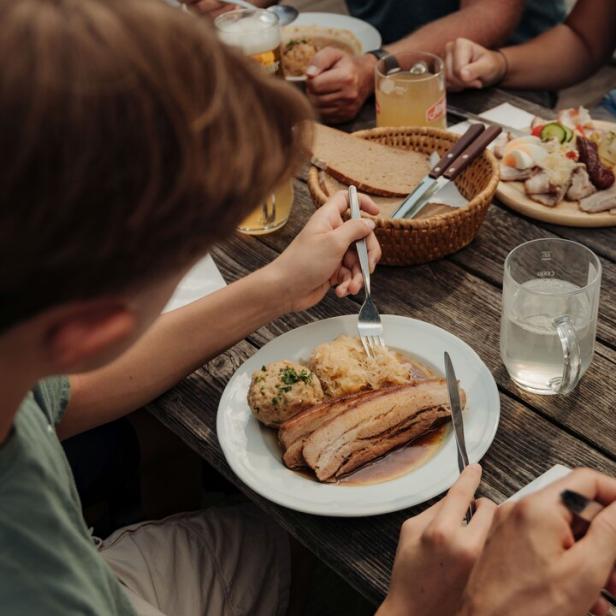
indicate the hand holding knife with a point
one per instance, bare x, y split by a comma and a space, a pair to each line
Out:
463, 152
458, 422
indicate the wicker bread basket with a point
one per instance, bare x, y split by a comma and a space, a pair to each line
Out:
410, 242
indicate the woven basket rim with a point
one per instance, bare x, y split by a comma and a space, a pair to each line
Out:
478, 202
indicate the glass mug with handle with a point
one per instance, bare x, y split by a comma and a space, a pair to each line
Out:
257, 33
410, 90
550, 303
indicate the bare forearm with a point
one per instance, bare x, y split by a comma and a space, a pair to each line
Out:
178, 343
487, 23
554, 60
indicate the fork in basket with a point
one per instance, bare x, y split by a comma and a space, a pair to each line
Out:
369, 324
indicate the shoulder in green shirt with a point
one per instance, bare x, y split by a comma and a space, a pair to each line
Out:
48, 562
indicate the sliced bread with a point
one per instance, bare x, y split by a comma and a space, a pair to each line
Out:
372, 167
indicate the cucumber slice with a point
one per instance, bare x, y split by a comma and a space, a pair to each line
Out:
569, 134
554, 130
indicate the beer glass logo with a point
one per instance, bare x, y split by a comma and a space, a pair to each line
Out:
436, 110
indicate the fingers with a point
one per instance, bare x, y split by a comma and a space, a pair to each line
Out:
481, 522
590, 483
353, 230
480, 72
601, 607
340, 202
323, 60
460, 495
461, 55
598, 546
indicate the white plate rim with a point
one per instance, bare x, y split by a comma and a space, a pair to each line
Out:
475, 450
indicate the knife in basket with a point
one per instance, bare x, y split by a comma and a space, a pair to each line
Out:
457, 421
463, 153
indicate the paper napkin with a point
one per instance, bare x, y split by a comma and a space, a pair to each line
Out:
550, 476
204, 278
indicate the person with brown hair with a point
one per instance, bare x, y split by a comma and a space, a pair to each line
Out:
131, 141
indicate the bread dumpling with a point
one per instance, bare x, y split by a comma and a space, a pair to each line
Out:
282, 389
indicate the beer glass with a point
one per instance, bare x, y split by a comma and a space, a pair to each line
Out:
549, 319
257, 34
410, 90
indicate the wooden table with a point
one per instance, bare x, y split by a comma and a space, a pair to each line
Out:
461, 294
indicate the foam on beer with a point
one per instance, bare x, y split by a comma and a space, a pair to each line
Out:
252, 34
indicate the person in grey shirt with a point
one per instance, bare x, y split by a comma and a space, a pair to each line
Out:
338, 84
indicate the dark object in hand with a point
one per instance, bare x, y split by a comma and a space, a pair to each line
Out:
600, 176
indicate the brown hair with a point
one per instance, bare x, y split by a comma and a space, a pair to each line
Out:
130, 140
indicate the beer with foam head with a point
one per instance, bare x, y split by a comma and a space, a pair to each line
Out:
257, 33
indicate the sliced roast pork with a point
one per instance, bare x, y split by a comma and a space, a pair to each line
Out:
375, 425
293, 433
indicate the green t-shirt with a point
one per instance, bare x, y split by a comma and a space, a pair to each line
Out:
48, 562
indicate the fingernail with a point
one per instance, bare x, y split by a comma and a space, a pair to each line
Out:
312, 71
466, 73
369, 223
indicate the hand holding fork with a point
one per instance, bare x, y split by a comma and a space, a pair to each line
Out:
369, 324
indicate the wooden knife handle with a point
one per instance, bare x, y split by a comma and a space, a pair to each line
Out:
472, 152
456, 149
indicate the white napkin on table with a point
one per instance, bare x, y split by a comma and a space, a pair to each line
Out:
557, 472
503, 114
204, 278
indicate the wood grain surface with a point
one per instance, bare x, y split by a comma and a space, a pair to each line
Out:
463, 295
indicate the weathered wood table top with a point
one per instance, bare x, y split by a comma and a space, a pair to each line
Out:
461, 294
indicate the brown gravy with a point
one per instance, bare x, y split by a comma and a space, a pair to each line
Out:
400, 461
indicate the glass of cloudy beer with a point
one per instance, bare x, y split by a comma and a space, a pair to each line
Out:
257, 33
410, 90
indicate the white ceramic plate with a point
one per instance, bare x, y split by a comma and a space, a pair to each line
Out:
254, 455
368, 35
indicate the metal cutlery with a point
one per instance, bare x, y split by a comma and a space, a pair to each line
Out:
457, 421
369, 325
462, 153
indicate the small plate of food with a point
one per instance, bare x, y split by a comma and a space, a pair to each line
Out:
311, 32
562, 172
310, 423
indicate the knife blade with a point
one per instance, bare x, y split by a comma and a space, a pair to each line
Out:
430, 183
418, 199
457, 421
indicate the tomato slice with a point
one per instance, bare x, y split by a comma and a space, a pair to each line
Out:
536, 132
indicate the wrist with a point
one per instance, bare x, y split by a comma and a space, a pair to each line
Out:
273, 282
502, 62
366, 65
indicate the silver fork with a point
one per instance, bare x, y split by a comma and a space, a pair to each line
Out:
369, 325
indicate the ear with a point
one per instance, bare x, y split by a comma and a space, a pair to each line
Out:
85, 335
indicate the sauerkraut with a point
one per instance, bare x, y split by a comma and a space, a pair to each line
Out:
343, 367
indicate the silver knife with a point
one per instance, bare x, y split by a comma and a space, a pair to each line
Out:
457, 420
463, 153
435, 180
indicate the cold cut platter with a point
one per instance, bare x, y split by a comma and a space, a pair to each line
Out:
562, 172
